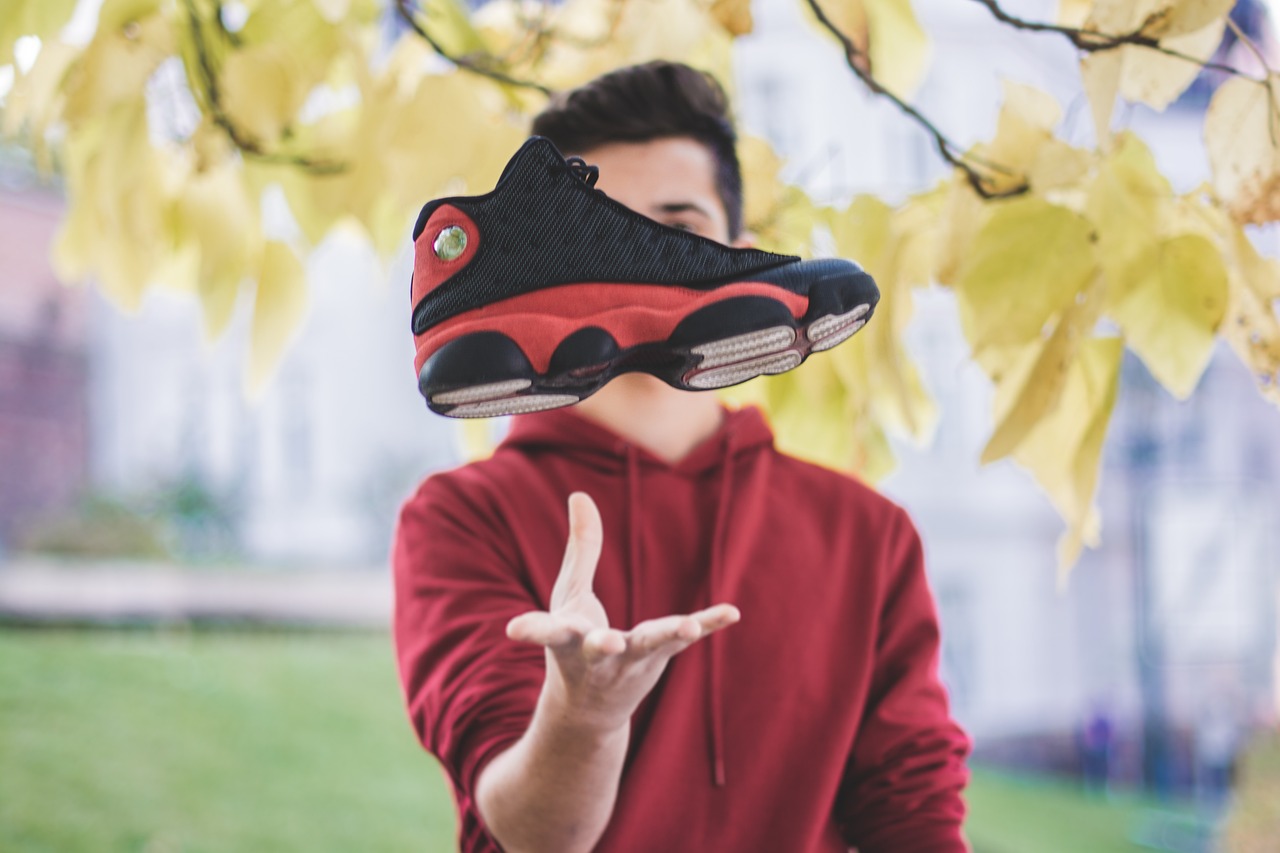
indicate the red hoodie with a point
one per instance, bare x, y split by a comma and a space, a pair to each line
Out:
815, 724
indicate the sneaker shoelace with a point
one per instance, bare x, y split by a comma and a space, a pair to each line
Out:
583, 171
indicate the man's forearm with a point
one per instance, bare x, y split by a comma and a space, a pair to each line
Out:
554, 790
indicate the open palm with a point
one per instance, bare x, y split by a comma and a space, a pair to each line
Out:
601, 672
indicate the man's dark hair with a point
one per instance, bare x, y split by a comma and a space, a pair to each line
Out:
640, 103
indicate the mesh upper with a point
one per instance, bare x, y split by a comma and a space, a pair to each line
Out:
542, 227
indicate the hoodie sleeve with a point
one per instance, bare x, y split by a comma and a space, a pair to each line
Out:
902, 785
470, 691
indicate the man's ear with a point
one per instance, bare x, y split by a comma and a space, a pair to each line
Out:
745, 240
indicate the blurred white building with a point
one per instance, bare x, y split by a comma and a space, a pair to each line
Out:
317, 467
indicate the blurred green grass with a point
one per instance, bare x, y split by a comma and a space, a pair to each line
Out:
175, 741
191, 741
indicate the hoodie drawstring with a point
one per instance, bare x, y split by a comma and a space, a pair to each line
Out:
715, 710
633, 534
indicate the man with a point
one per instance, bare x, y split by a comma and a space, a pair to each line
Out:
736, 651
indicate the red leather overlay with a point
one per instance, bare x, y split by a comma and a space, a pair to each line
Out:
429, 272
632, 313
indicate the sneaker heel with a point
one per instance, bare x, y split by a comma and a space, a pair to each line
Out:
474, 368
586, 359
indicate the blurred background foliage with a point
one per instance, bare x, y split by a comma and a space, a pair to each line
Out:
183, 520
174, 119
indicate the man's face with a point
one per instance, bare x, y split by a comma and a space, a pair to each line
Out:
671, 180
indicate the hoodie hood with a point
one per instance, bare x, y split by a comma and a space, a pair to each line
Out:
742, 432
593, 444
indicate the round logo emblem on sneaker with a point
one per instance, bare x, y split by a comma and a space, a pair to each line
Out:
450, 243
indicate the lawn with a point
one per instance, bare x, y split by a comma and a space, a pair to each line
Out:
140, 741
162, 741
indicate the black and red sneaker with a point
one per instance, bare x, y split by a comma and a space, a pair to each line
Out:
536, 294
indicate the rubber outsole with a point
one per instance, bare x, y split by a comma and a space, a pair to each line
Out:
486, 374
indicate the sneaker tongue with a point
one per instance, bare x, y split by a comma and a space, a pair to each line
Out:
530, 151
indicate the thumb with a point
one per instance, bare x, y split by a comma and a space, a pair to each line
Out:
582, 553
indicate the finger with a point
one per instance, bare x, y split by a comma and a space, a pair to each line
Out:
600, 643
668, 634
546, 629
716, 618
582, 553
671, 634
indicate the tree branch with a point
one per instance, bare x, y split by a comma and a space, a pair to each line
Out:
482, 64
948, 150
240, 138
1251, 45
1092, 41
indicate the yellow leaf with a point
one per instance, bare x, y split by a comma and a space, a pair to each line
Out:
1029, 261
814, 418
397, 153
1026, 122
886, 33
1126, 201
895, 248
665, 29
511, 31
837, 409
1170, 303
1174, 18
32, 105
406, 155
780, 217
40, 18
1252, 326
1064, 449
475, 438
862, 232
1191, 27
1242, 135
916, 224
277, 313
119, 186
333, 11
849, 16
733, 15
217, 218
319, 200
591, 37
115, 65
211, 147
1024, 148
1073, 13
1033, 388
1159, 19
763, 193
449, 24
1121, 17
1157, 79
119, 14
961, 217
899, 48
1100, 73
1058, 166
297, 26
262, 90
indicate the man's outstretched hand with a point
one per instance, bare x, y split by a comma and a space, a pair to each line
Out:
554, 789
598, 675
